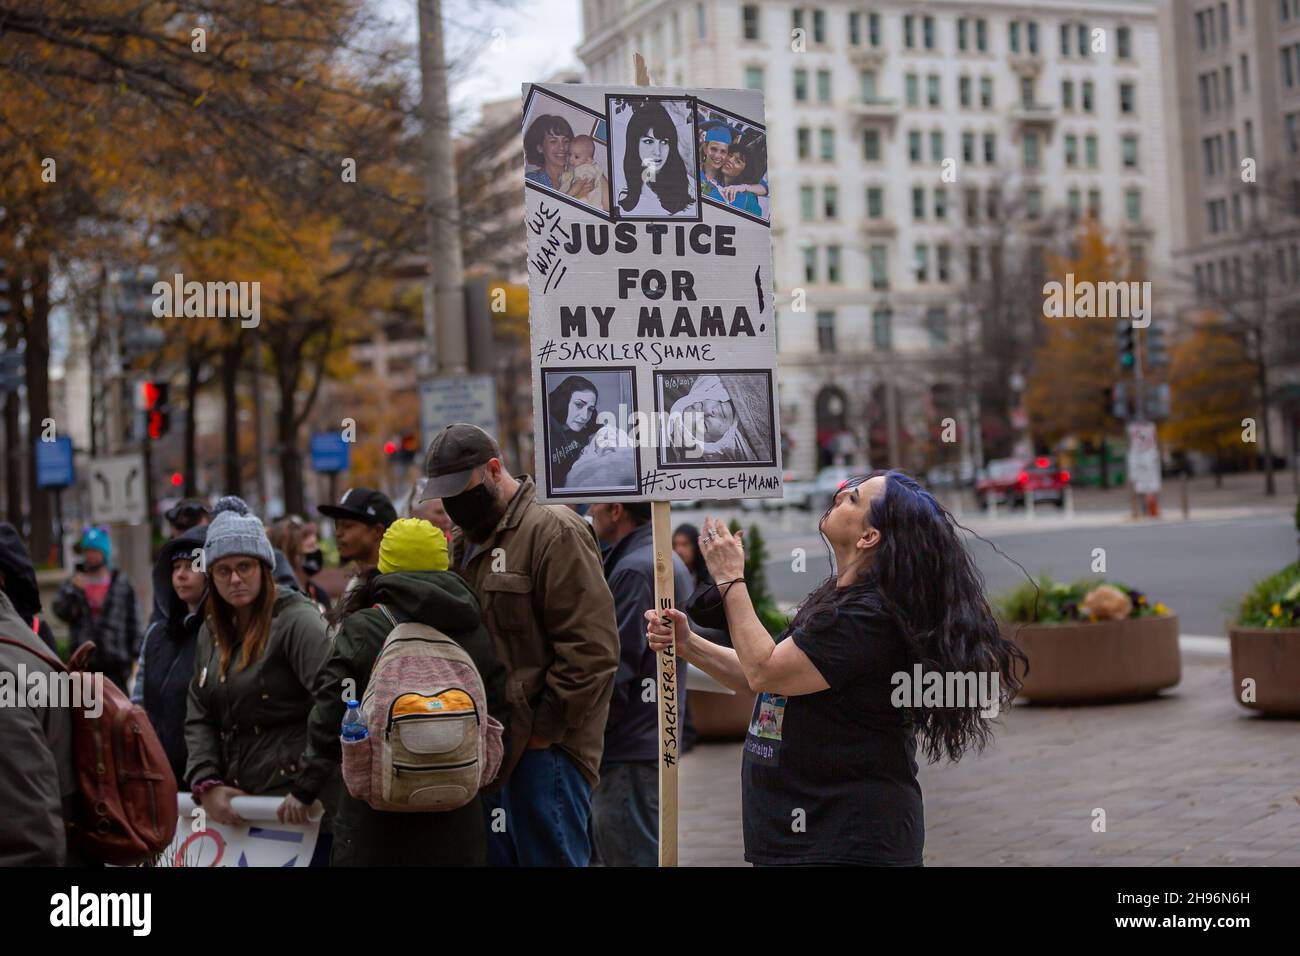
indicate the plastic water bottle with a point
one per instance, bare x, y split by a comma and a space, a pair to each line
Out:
354, 728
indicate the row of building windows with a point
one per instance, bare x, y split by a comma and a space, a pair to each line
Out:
933, 98
882, 329
934, 205
1031, 148
920, 32
1229, 279
1291, 65
1216, 213
1218, 160
1210, 88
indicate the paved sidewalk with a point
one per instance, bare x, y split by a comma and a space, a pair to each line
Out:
1189, 779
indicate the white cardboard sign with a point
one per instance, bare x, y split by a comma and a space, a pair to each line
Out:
650, 293
263, 841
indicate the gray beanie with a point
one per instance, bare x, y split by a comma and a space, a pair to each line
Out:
235, 531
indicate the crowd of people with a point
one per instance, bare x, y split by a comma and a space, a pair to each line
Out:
247, 664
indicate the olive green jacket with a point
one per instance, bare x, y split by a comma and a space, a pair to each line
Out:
249, 727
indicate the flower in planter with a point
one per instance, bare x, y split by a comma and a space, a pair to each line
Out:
1273, 602
1085, 600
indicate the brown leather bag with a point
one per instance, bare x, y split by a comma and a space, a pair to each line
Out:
128, 791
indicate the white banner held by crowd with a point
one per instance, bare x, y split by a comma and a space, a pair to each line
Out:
262, 841
650, 293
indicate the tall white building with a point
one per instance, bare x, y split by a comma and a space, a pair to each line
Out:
1057, 103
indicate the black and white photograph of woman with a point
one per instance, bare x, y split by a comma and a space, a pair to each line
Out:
584, 453
653, 158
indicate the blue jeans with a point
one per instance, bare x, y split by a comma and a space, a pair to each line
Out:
547, 804
625, 814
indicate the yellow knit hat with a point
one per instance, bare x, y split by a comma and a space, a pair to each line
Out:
413, 544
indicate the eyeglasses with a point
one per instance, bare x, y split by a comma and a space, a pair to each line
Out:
223, 572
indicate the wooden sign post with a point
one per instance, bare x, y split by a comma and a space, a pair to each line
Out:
670, 695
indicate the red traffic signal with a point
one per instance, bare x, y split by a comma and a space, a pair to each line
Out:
177, 479
390, 448
158, 423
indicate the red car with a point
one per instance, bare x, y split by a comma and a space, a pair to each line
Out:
1012, 480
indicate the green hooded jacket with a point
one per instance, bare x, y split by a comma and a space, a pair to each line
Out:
249, 727
364, 836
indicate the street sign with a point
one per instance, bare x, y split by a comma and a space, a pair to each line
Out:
464, 398
117, 490
54, 463
1143, 458
330, 454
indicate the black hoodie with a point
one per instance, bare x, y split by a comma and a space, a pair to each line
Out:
167, 659
20, 580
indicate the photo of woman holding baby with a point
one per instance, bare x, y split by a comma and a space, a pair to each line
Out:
656, 182
560, 159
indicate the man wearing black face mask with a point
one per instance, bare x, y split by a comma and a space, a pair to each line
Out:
536, 572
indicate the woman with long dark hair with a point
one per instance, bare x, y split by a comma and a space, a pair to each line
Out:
829, 772
572, 409
656, 179
686, 542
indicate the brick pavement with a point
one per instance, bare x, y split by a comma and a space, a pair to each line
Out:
1188, 779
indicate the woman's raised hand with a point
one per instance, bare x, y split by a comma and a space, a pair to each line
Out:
723, 551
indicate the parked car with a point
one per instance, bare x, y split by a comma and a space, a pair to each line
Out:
1013, 480
828, 481
796, 494
951, 476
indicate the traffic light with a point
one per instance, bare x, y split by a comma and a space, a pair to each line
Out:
402, 453
1157, 401
1157, 350
1118, 396
1124, 343
157, 413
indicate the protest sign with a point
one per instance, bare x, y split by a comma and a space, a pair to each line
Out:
262, 841
650, 293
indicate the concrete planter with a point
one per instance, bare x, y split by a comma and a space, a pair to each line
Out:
1099, 662
1271, 657
721, 716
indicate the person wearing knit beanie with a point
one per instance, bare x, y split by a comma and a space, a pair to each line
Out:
235, 530
413, 544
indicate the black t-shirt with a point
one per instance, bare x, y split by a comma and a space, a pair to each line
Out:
831, 777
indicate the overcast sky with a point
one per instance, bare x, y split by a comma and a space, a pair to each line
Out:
509, 42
